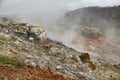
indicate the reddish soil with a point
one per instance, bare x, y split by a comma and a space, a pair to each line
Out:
8, 72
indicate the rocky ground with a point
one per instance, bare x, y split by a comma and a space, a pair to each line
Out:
27, 49
8, 72
97, 45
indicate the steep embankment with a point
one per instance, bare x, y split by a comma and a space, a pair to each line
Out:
26, 51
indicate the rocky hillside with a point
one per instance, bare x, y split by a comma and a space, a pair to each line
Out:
89, 16
97, 44
27, 53
105, 18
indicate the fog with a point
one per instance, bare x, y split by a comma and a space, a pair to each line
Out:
85, 3
47, 9
47, 12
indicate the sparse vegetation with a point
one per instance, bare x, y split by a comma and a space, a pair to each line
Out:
5, 60
89, 31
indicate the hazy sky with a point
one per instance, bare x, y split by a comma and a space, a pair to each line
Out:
74, 4
48, 8
51, 5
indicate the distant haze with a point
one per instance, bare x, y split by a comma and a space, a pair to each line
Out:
48, 8
86, 3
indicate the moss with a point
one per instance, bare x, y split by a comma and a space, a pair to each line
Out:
89, 31
5, 60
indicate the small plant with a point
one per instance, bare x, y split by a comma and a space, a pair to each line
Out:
5, 60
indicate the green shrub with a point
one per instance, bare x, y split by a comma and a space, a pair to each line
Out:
5, 60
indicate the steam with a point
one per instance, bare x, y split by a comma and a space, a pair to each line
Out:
48, 9
30, 9
47, 12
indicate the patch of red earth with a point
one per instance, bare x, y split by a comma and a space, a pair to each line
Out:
101, 41
8, 72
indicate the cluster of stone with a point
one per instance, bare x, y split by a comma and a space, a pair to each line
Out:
27, 31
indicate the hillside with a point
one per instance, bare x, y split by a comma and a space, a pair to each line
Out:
105, 18
27, 53
90, 15
97, 44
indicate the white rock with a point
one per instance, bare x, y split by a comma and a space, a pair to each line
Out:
16, 42
30, 63
29, 56
33, 64
59, 67
38, 31
31, 38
